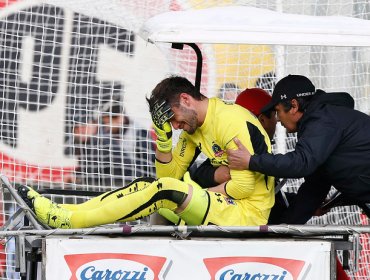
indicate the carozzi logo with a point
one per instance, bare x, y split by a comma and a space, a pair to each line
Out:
107, 266
253, 268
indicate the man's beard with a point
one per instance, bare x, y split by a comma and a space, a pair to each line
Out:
192, 121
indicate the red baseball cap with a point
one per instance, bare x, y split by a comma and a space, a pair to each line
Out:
254, 99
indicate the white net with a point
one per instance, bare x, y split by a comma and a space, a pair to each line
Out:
73, 73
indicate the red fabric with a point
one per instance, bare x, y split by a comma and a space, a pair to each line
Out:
253, 99
341, 274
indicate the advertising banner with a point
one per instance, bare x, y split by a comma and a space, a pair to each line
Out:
159, 258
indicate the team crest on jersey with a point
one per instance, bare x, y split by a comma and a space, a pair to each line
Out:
217, 150
229, 201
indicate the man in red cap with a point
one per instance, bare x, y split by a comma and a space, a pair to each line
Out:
254, 100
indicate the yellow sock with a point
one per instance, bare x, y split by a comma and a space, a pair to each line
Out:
169, 215
132, 206
107, 197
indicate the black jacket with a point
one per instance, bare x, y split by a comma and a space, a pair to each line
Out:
333, 149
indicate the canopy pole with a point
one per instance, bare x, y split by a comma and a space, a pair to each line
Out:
198, 74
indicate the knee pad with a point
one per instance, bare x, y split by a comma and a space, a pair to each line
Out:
197, 209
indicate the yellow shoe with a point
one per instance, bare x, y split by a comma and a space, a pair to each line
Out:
51, 214
27, 194
32, 194
46, 211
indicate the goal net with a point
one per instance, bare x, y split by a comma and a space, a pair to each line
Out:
74, 77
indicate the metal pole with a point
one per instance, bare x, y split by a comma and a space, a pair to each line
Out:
297, 230
27, 211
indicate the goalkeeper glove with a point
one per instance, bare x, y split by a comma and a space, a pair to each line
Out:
161, 114
164, 137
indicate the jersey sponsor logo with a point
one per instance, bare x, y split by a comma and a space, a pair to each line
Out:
217, 150
216, 162
183, 147
248, 268
107, 266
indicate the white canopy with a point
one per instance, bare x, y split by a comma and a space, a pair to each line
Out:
248, 25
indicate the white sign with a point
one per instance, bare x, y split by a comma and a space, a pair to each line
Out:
226, 259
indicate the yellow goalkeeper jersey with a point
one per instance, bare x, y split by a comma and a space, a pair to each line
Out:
222, 124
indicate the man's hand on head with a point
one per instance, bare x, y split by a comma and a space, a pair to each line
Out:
238, 159
161, 114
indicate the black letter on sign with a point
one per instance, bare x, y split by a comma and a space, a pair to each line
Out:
45, 25
86, 93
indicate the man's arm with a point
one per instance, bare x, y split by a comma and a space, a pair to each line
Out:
215, 178
308, 199
244, 183
181, 157
163, 157
163, 152
207, 175
238, 159
161, 114
311, 151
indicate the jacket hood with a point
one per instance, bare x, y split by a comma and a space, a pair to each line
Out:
333, 98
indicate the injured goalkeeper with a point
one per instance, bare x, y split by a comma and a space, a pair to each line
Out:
208, 125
